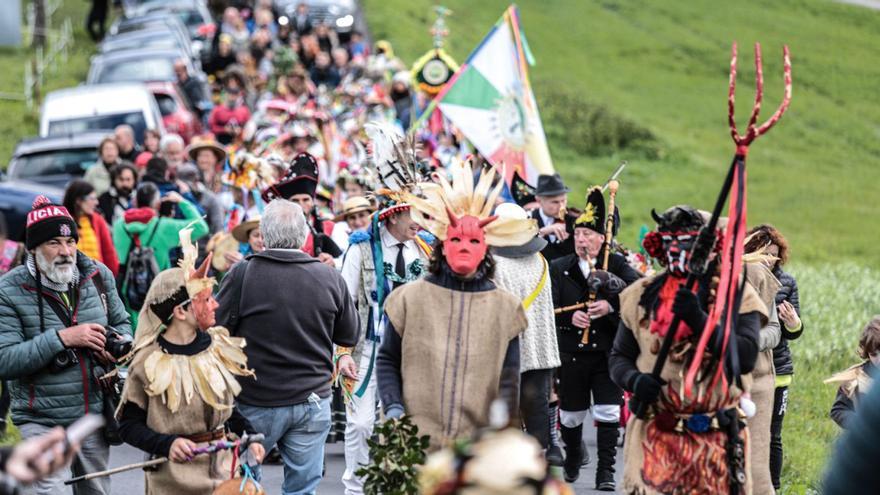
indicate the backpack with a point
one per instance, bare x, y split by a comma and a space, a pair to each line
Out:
140, 270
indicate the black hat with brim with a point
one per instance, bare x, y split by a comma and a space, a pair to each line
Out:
301, 178
551, 185
535, 245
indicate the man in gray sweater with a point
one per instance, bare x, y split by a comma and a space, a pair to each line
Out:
291, 309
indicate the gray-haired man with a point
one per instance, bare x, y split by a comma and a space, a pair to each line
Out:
291, 309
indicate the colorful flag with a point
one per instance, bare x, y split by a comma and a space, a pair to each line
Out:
490, 100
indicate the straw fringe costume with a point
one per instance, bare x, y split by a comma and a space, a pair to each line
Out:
182, 391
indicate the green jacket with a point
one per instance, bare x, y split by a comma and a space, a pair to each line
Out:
163, 239
26, 349
161, 234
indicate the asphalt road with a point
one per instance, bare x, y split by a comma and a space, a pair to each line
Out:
132, 482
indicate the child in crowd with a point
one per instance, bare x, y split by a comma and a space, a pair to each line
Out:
855, 381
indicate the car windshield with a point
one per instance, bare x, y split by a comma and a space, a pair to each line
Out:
166, 40
68, 161
137, 70
99, 122
191, 19
167, 105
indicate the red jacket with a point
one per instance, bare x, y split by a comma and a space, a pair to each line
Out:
222, 115
105, 242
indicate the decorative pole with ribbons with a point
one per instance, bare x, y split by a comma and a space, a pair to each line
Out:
726, 305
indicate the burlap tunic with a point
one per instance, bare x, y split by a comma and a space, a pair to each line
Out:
762, 387
665, 466
205, 472
453, 346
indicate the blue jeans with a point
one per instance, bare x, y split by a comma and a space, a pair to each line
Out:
299, 431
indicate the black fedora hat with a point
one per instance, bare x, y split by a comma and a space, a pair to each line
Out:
551, 185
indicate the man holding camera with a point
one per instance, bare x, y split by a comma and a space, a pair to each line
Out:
62, 325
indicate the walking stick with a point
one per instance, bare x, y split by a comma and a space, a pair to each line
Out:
244, 442
706, 240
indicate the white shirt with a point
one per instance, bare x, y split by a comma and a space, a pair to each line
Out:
351, 268
547, 221
584, 265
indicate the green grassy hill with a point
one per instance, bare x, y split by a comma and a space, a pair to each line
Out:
18, 122
663, 67
647, 82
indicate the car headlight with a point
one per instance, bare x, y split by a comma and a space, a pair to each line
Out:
345, 21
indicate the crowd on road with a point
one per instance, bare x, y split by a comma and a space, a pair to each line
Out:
300, 264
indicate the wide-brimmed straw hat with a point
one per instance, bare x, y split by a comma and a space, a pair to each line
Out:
206, 143
534, 245
242, 231
354, 205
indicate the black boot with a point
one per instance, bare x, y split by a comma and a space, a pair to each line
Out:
574, 452
606, 443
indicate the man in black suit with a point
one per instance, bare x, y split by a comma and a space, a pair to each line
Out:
556, 227
585, 338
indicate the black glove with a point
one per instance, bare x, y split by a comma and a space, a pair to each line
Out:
647, 388
687, 307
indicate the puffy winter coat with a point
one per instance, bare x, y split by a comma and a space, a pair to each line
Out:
27, 347
788, 292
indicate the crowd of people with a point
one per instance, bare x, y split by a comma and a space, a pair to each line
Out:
303, 268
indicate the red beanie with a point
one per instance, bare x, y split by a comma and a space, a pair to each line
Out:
47, 221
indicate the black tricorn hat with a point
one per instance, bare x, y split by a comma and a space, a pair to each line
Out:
594, 215
551, 185
301, 178
521, 191
680, 218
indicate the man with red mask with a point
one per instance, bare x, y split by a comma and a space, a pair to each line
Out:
437, 326
693, 443
584, 382
299, 185
166, 408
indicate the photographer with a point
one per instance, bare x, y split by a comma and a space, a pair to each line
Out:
61, 327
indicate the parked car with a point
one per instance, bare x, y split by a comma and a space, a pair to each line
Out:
194, 14
156, 37
55, 160
140, 65
16, 198
153, 20
139, 23
338, 14
102, 106
178, 115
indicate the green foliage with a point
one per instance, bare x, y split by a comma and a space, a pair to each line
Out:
592, 129
18, 121
663, 67
395, 455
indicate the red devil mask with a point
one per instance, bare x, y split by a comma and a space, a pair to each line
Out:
465, 244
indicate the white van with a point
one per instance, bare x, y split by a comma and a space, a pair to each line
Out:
100, 107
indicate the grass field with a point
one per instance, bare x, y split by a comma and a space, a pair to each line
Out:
17, 121
656, 71
664, 65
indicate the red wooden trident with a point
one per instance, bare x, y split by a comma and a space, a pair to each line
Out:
743, 142
726, 305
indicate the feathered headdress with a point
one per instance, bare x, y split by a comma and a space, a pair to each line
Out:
171, 288
395, 160
438, 205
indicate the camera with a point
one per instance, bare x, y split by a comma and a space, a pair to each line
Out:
116, 344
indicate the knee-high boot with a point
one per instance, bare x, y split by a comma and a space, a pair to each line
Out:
606, 443
575, 451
